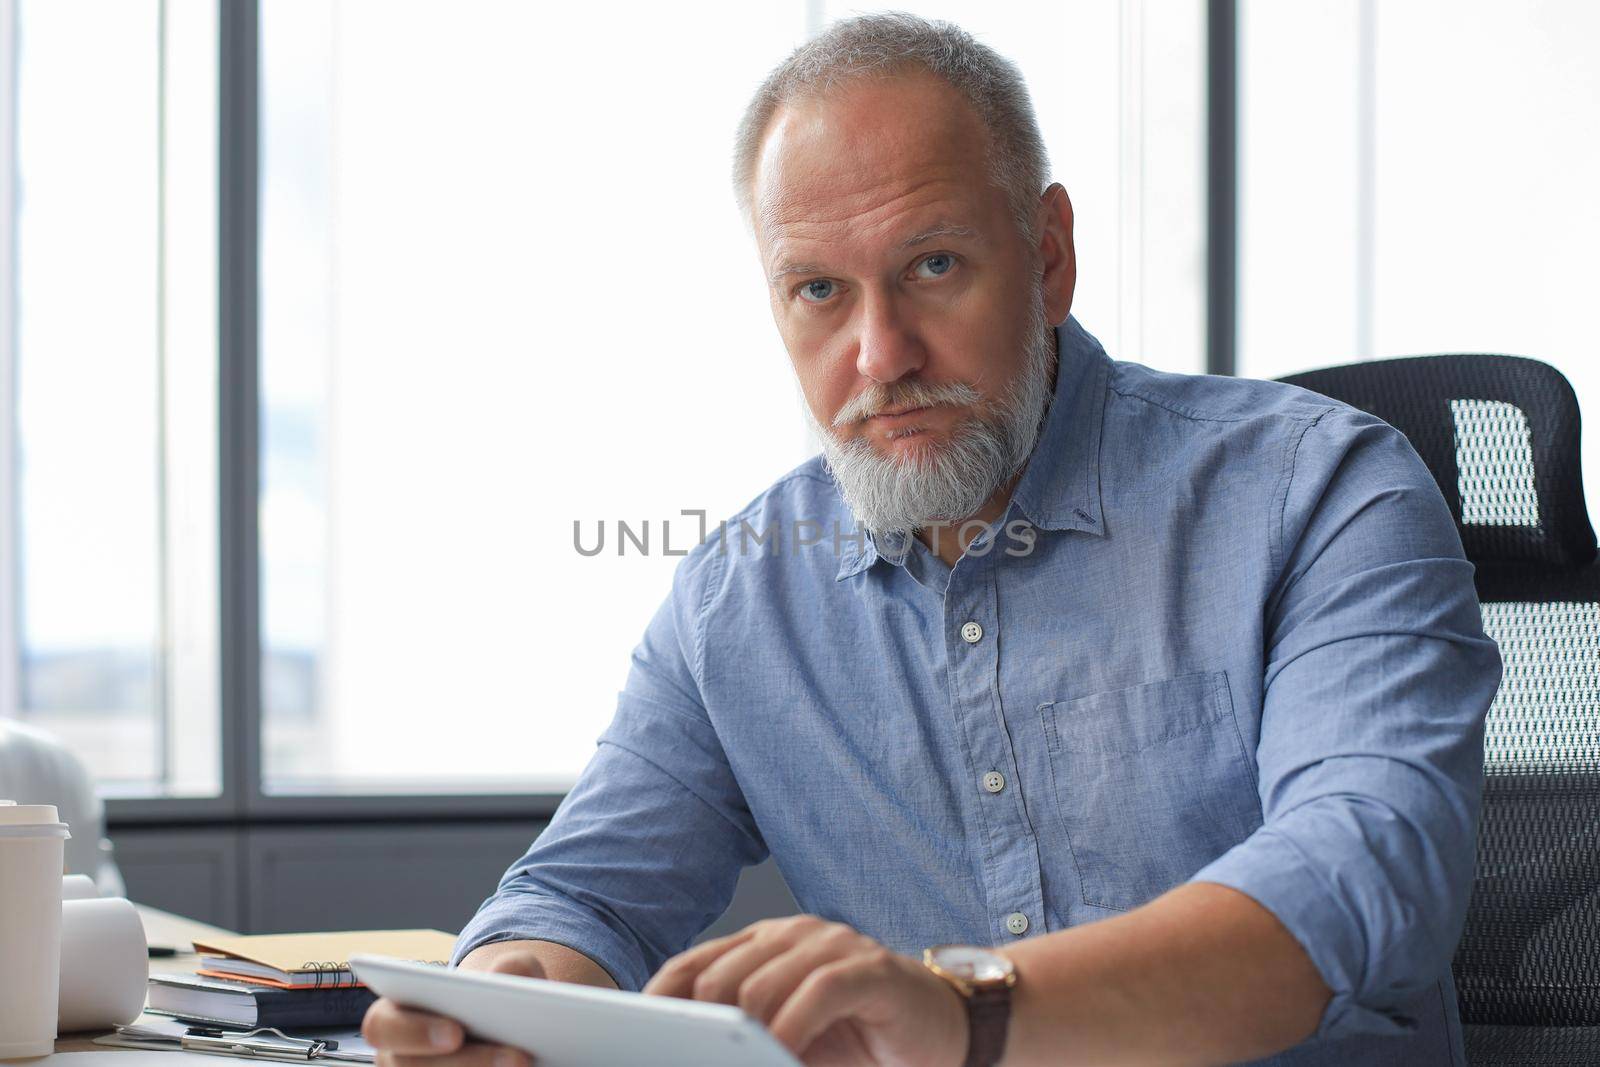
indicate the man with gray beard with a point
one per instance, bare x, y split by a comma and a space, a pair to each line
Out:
1187, 772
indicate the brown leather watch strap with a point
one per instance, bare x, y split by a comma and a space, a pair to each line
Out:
988, 1018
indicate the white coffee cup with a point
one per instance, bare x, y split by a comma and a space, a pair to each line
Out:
32, 859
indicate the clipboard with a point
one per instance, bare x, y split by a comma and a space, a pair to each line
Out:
250, 1045
154, 1033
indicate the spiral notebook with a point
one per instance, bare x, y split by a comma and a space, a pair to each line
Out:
315, 961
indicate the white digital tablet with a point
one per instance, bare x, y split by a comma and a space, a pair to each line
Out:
567, 1025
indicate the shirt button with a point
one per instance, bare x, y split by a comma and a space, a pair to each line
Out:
994, 781
1017, 923
972, 633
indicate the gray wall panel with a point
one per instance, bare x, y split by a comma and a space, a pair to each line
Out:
344, 877
194, 872
352, 876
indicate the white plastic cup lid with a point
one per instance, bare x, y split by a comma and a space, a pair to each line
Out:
42, 819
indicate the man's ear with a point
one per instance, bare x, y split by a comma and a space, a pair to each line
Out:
1057, 257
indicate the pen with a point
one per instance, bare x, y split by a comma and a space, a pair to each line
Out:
309, 1046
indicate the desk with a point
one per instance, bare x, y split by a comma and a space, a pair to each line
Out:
160, 928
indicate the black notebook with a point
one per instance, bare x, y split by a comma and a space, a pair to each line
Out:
249, 1005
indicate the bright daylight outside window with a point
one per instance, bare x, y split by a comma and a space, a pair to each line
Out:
505, 292
1376, 220
107, 386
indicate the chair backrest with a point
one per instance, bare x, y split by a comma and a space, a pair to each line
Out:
37, 768
1501, 435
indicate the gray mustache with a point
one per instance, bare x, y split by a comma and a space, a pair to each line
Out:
878, 398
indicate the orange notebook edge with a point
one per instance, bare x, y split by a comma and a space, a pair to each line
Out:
274, 983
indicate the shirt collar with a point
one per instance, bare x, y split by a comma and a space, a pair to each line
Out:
857, 555
1060, 487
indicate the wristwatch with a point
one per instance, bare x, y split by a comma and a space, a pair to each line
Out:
984, 979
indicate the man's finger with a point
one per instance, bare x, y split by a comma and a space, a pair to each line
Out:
676, 976
389, 1027
764, 987
834, 991
719, 980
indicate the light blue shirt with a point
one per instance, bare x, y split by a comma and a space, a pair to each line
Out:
1224, 633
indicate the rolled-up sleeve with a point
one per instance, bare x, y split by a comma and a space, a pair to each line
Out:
1378, 679
645, 851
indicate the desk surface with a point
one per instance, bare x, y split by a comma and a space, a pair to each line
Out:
160, 928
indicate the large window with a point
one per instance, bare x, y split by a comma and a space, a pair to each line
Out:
109, 359
480, 284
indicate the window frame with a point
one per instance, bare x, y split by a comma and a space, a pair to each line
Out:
10, 525
242, 796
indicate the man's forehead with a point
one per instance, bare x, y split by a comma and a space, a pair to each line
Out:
868, 154
887, 211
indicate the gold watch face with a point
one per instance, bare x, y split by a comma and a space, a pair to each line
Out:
969, 963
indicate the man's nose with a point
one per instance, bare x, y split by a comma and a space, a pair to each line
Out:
888, 347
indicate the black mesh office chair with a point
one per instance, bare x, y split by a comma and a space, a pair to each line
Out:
1500, 434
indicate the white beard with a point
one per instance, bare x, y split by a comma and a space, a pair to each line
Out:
951, 482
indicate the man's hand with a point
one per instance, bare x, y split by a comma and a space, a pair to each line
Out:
405, 1037
831, 995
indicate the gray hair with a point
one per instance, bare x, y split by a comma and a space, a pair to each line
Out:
887, 44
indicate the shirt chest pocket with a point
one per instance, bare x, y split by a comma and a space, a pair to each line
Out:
1152, 782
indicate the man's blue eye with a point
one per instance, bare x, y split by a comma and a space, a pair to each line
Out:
939, 264
816, 291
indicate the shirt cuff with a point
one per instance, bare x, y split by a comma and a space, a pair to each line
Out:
1271, 869
529, 917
